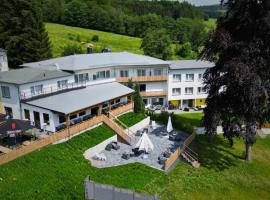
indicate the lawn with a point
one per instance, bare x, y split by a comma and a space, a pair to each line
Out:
61, 35
58, 171
194, 119
131, 118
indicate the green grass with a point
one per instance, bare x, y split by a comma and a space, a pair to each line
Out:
61, 35
194, 119
210, 24
131, 118
58, 171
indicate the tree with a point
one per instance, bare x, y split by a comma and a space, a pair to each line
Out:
139, 106
22, 32
72, 50
185, 51
130, 84
157, 43
239, 85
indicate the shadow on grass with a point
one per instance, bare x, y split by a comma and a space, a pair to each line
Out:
215, 154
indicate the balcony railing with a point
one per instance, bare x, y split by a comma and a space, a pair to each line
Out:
51, 90
142, 78
154, 93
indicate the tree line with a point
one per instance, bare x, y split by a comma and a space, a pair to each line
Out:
182, 21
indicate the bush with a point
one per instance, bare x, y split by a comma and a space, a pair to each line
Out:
95, 38
176, 121
71, 50
78, 38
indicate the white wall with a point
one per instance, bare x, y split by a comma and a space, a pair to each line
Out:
183, 84
12, 102
53, 117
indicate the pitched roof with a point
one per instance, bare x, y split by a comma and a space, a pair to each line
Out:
190, 64
96, 60
29, 75
75, 100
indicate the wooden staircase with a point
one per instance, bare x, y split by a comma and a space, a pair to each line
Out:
118, 129
190, 156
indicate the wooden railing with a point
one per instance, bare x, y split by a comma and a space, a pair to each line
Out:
142, 78
122, 109
118, 129
154, 93
171, 160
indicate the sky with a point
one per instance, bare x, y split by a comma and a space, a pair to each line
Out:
203, 2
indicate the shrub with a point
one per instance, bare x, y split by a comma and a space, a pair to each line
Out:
95, 38
71, 50
78, 38
176, 121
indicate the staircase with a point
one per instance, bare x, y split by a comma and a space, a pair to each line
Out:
118, 129
190, 156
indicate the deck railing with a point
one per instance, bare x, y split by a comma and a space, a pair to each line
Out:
142, 78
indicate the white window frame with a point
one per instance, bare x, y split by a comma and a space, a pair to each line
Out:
200, 77
189, 88
201, 90
5, 92
158, 72
141, 72
124, 73
177, 79
63, 84
176, 91
188, 77
36, 89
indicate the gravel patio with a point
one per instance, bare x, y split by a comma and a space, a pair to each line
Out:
160, 140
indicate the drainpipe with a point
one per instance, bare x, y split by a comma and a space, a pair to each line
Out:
20, 106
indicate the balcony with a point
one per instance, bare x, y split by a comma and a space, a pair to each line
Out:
47, 91
153, 93
142, 79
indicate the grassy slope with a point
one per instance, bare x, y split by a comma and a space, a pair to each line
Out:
57, 172
60, 36
131, 118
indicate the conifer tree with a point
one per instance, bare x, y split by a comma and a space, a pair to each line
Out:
22, 32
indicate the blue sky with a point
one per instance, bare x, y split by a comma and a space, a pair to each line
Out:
203, 2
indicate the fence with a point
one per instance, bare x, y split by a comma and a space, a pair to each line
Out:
94, 191
174, 157
122, 109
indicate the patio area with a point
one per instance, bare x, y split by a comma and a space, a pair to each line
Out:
160, 140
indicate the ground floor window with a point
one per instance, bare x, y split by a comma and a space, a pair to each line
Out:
9, 112
82, 113
73, 116
142, 87
26, 114
145, 101
62, 119
46, 118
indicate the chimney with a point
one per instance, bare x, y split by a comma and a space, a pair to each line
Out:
3, 60
90, 49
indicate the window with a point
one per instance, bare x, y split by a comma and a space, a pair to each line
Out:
157, 72
200, 77
46, 118
145, 101
117, 101
62, 119
9, 112
37, 89
141, 72
62, 84
189, 77
73, 116
142, 87
189, 90
82, 113
176, 91
5, 92
26, 114
103, 74
177, 78
123, 73
201, 90
81, 78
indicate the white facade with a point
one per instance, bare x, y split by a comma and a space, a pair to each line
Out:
3, 61
182, 87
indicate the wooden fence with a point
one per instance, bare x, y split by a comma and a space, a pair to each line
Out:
68, 132
171, 160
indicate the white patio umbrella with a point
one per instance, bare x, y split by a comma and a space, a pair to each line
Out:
145, 144
169, 125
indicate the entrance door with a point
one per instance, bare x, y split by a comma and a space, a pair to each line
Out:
190, 103
9, 112
37, 119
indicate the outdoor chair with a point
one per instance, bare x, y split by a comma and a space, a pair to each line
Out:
162, 160
167, 154
145, 130
126, 156
138, 133
115, 145
108, 147
186, 109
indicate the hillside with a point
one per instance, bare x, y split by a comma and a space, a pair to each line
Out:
61, 35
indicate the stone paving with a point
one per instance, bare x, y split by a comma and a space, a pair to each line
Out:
160, 140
